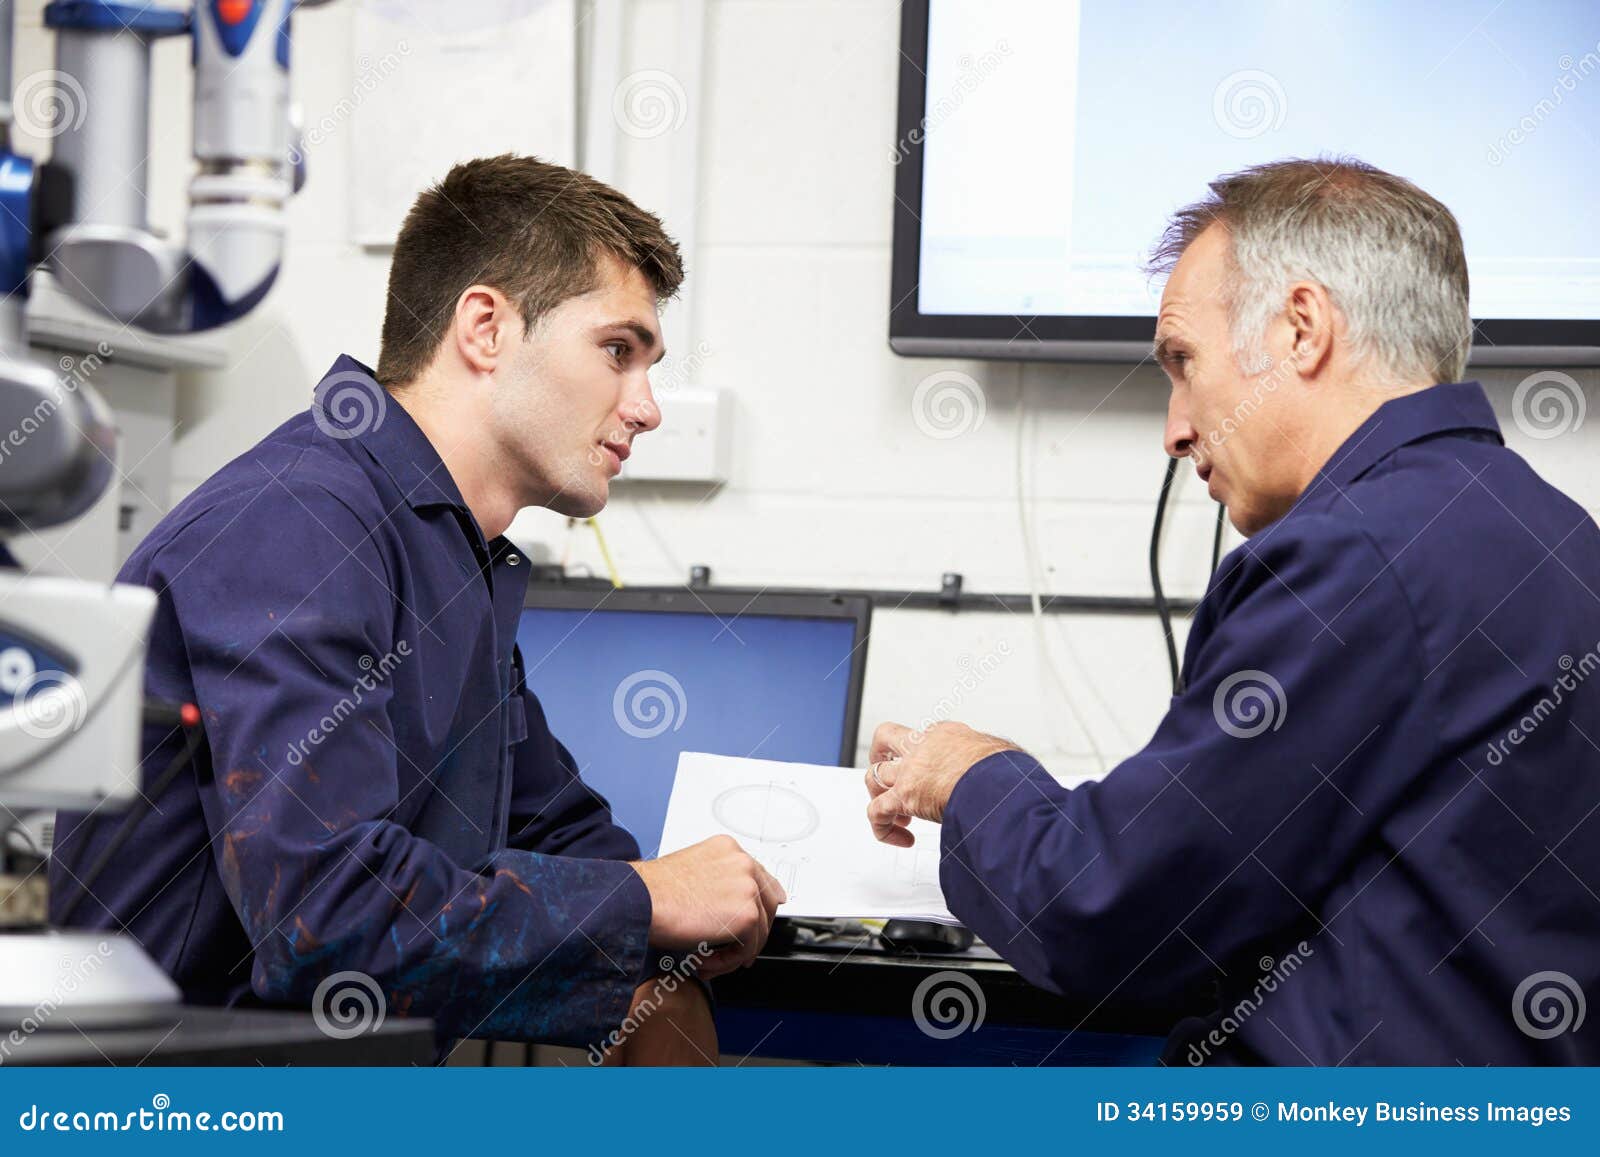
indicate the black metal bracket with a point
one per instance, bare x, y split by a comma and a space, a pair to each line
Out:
951, 596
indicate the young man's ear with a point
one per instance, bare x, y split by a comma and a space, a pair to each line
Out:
483, 321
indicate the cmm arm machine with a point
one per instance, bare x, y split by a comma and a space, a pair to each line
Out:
72, 652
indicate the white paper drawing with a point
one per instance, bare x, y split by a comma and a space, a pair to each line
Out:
807, 824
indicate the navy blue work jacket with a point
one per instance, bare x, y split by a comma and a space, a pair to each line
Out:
377, 791
1366, 832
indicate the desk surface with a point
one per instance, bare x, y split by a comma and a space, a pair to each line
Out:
855, 1005
216, 1036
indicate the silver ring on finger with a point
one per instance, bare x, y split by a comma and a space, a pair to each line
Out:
876, 780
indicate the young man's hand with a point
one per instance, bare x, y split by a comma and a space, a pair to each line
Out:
715, 893
912, 774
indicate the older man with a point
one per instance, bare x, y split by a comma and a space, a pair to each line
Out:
1366, 831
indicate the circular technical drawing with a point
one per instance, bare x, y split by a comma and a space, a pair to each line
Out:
766, 813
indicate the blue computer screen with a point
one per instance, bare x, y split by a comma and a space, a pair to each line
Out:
627, 691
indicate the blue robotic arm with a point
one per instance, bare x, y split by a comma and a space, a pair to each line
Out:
71, 651
87, 212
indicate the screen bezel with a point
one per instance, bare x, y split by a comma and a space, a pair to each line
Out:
1083, 337
733, 605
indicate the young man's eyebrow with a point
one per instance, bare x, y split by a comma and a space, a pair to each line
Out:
637, 329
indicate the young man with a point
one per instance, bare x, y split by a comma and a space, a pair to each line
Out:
377, 791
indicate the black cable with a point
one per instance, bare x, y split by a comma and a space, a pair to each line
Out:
195, 734
1216, 542
1163, 610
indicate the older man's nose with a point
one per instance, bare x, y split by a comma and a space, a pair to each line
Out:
1179, 437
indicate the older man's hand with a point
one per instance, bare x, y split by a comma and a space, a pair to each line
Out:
912, 773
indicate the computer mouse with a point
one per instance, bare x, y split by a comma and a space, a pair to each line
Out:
925, 936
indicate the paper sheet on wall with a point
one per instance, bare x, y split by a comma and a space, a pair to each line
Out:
441, 83
807, 825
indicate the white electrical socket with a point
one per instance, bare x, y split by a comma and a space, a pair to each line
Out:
692, 443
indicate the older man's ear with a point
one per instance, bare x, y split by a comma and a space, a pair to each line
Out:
1314, 321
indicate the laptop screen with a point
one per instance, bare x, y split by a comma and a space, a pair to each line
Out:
628, 688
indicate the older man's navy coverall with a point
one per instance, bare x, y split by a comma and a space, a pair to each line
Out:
1370, 819
377, 790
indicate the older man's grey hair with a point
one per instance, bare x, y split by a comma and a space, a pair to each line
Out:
1389, 255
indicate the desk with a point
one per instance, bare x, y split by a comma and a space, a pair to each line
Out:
855, 1005
221, 1036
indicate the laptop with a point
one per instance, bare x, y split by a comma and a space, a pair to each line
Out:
631, 678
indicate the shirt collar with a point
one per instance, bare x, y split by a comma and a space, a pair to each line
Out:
350, 405
1453, 406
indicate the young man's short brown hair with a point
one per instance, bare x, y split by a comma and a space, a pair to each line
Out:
533, 230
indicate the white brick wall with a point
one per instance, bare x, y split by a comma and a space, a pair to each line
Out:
832, 482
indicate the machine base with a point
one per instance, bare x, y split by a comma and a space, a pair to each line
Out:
60, 981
